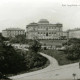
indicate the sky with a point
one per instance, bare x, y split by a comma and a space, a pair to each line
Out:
19, 13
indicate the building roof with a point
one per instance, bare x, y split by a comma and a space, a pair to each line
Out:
13, 29
33, 24
43, 21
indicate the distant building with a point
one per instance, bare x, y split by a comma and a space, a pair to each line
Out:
43, 30
74, 33
65, 35
12, 32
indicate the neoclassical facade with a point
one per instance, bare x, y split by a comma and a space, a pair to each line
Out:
43, 30
12, 32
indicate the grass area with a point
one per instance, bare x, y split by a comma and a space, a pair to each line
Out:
60, 56
52, 42
49, 42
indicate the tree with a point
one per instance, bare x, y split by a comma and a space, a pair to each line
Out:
35, 47
34, 59
72, 41
3, 38
73, 52
18, 39
11, 61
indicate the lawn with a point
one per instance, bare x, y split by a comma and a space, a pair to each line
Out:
52, 42
60, 56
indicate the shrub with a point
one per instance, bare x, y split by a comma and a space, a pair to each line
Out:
73, 52
15, 61
35, 47
11, 61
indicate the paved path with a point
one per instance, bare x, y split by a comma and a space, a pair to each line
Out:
53, 71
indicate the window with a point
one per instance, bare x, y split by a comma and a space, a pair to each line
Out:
55, 27
54, 32
46, 29
46, 34
41, 27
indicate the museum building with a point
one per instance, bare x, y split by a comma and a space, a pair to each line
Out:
44, 30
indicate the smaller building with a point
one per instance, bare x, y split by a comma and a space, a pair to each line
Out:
74, 33
12, 32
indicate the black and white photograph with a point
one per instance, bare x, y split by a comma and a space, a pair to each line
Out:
39, 39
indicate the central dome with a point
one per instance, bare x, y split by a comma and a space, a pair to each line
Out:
43, 21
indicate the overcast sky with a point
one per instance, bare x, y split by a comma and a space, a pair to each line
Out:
19, 13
